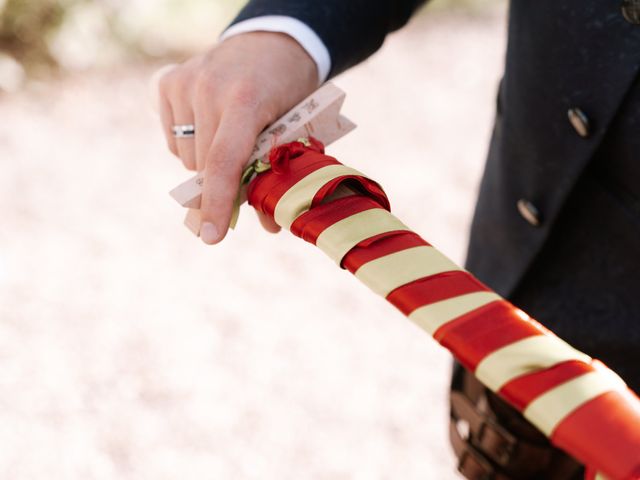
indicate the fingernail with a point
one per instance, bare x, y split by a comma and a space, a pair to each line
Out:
209, 233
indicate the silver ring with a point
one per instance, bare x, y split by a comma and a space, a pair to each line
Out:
184, 131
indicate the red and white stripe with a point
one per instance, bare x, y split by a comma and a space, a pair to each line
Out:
582, 406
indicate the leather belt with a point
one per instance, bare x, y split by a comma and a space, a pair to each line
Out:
471, 463
487, 443
486, 450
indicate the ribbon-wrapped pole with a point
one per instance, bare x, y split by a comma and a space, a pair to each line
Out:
577, 402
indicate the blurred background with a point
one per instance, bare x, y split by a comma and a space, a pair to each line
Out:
129, 349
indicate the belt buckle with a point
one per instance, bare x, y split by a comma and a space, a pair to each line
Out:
481, 463
507, 446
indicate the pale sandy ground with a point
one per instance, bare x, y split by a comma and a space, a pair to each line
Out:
129, 350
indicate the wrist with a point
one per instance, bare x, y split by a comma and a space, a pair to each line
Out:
280, 57
295, 29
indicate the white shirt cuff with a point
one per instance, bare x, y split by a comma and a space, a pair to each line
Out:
299, 31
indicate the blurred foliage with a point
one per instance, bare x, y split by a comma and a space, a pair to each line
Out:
40, 36
26, 26
46, 35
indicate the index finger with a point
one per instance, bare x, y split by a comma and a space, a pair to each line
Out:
229, 153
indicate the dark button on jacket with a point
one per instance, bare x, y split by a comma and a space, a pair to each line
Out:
579, 121
529, 212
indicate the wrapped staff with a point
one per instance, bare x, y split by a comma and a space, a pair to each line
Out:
577, 402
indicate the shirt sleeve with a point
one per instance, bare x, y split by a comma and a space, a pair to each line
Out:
349, 30
299, 31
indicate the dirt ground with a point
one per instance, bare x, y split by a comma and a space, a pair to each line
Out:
130, 350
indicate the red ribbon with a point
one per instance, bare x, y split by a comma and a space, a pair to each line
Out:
280, 156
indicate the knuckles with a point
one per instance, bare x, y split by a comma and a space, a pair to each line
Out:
222, 162
204, 86
246, 95
177, 83
198, 83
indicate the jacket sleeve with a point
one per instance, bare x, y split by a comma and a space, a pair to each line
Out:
350, 29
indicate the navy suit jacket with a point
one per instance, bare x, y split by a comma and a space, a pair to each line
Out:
578, 270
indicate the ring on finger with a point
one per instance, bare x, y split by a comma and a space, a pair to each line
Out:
184, 131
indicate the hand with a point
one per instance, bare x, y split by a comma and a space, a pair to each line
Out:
231, 93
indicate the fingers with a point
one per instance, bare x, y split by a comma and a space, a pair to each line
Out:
166, 117
230, 151
207, 122
268, 223
175, 102
154, 85
226, 127
183, 115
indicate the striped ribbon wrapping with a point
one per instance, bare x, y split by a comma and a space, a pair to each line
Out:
581, 405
